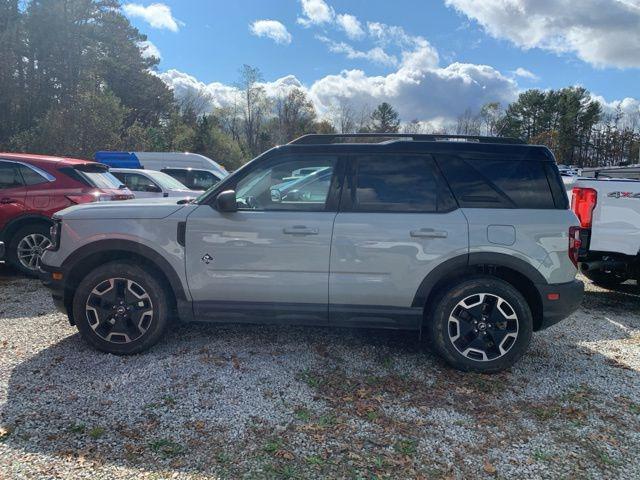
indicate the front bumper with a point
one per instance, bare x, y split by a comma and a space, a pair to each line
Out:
57, 287
559, 301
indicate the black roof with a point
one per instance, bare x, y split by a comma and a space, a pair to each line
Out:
479, 147
324, 139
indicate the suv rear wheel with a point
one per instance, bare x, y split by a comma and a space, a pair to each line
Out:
482, 324
121, 309
26, 247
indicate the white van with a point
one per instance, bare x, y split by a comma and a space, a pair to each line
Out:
195, 171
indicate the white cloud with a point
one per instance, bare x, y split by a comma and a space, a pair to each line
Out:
185, 85
315, 12
376, 54
351, 25
272, 29
627, 106
439, 94
524, 73
158, 15
436, 96
218, 94
148, 49
603, 33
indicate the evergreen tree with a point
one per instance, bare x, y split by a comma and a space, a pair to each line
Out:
384, 119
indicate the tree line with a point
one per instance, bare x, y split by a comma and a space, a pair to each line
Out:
75, 79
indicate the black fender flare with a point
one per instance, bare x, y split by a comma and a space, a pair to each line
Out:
15, 223
101, 246
462, 262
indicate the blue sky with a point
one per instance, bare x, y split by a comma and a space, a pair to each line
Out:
210, 39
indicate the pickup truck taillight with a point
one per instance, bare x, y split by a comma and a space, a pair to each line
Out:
574, 244
583, 202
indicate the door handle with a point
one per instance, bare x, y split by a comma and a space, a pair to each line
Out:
300, 230
6, 201
428, 233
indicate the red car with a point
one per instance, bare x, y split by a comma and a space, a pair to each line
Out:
33, 188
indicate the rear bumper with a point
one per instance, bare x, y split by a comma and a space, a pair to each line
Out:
56, 286
559, 301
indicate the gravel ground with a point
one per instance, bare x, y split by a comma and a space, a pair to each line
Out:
282, 402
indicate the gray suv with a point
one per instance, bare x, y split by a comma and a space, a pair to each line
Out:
468, 241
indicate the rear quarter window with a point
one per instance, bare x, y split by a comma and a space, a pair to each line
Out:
498, 183
399, 183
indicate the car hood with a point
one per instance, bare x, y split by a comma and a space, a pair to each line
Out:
141, 208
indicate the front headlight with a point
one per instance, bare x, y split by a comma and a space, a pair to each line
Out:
54, 234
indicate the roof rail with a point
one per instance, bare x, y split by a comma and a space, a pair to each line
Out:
320, 139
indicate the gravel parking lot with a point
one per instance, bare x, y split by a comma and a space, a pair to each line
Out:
281, 402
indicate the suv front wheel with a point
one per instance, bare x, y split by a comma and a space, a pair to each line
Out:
121, 308
482, 324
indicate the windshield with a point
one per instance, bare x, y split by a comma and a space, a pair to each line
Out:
167, 182
101, 179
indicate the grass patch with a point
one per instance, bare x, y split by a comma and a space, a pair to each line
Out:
406, 447
326, 420
387, 362
486, 383
77, 428
167, 448
310, 379
607, 460
302, 414
634, 408
281, 471
314, 460
541, 456
96, 432
372, 416
546, 412
273, 446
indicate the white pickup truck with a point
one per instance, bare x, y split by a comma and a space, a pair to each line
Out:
609, 214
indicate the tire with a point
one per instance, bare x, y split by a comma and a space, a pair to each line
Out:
606, 279
107, 324
26, 247
507, 325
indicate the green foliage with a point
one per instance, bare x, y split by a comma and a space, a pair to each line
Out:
564, 120
384, 119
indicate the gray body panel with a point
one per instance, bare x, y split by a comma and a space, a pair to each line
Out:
375, 259
537, 237
258, 257
146, 222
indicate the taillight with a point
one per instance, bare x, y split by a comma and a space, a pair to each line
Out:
574, 244
82, 198
583, 202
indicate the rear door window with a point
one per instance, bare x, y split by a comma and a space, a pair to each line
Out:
180, 175
203, 180
10, 176
139, 183
497, 183
31, 177
399, 183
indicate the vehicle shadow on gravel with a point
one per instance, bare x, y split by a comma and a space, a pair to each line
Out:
209, 398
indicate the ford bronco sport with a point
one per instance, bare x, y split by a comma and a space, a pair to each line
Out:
467, 240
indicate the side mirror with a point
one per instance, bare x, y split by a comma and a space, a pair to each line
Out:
153, 189
226, 201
